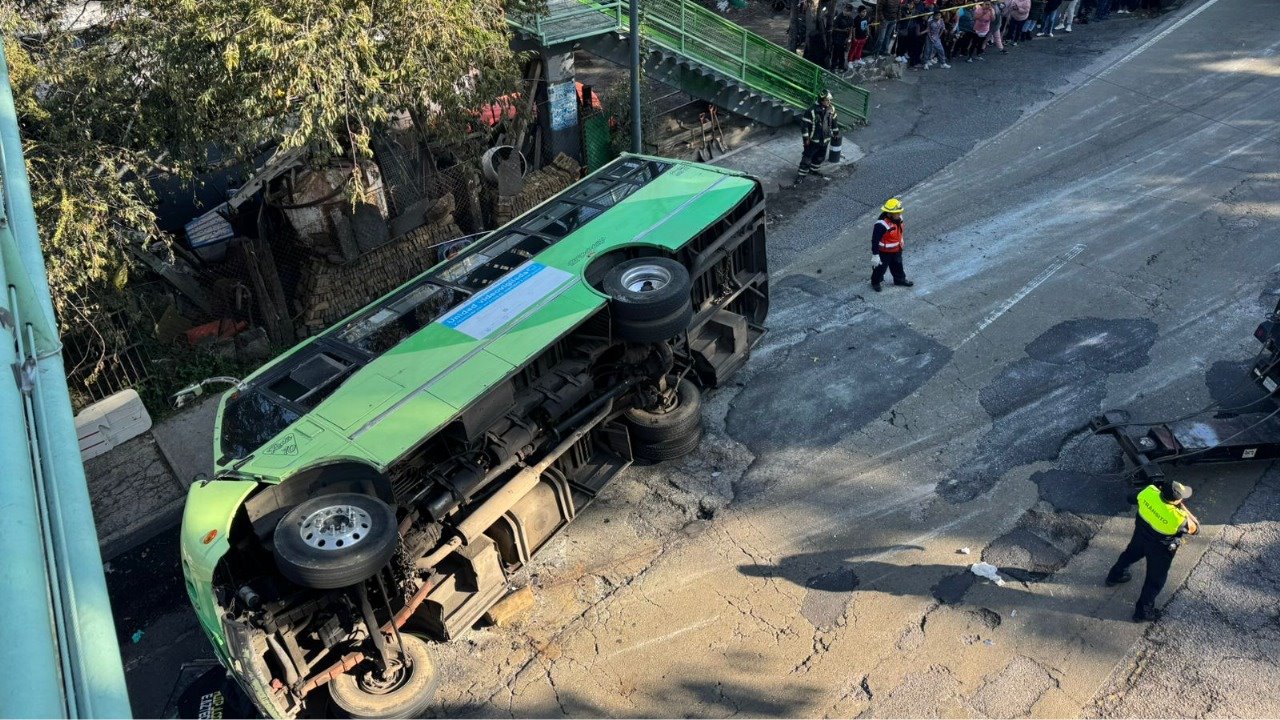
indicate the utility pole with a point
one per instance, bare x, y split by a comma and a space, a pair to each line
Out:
634, 7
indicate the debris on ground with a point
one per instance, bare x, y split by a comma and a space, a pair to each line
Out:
963, 551
988, 571
511, 609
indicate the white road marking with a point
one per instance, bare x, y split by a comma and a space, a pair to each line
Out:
1026, 290
675, 633
1159, 36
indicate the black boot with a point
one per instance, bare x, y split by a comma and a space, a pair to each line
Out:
875, 286
1114, 580
1147, 613
904, 283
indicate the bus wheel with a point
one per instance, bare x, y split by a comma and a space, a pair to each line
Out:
650, 299
333, 541
667, 433
403, 690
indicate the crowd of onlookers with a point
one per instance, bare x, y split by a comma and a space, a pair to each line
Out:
928, 33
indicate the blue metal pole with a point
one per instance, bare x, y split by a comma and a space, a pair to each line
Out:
94, 685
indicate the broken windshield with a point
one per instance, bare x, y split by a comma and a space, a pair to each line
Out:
251, 419
385, 325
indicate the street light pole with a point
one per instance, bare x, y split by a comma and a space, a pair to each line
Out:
634, 7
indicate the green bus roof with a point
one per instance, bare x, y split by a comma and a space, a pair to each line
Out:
384, 401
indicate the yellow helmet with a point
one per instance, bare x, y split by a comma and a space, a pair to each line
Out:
892, 205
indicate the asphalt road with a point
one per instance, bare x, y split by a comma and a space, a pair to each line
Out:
1091, 224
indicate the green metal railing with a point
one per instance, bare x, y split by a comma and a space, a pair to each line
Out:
57, 638
570, 20
567, 21
696, 33
699, 35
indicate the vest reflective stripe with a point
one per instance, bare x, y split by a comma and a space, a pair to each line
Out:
891, 241
1160, 515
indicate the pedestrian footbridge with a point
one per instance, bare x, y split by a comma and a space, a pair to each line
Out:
696, 50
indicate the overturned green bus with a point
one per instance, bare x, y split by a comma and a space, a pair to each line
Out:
376, 485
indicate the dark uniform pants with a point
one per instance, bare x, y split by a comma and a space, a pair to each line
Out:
1159, 557
839, 56
814, 155
891, 262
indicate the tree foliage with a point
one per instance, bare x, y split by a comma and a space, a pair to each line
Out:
141, 86
88, 201
325, 74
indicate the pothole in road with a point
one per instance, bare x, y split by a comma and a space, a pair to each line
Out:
1041, 544
1038, 402
853, 364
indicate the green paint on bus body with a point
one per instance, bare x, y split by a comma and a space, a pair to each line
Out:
406, 394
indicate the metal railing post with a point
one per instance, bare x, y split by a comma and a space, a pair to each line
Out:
28, 644
684, 31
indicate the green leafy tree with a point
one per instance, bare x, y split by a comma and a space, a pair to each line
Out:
107, 98
88, 200
324, 74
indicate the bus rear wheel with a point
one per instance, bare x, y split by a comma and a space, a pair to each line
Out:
650, 299
404, 690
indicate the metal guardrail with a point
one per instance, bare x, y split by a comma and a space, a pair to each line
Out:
699, 35
57, 639
696, 33
570, 20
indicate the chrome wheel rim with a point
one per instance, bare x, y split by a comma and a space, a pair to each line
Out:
335, 527
646, 278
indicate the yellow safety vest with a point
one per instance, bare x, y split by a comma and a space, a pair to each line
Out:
1164, 518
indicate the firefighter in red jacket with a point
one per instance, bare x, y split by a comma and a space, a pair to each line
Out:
886, 246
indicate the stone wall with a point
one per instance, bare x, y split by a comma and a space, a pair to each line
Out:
538, 186
328, 291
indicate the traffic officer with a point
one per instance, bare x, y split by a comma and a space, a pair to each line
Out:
817, 125
886, 246
1163, 518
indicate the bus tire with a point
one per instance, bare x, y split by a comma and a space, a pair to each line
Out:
647, 289
658, 436
405, 692
652, 331
334, 541
669, 450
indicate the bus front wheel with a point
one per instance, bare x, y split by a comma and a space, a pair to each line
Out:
667, 433
403, 690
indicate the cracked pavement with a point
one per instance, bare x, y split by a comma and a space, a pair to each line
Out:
804, 561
